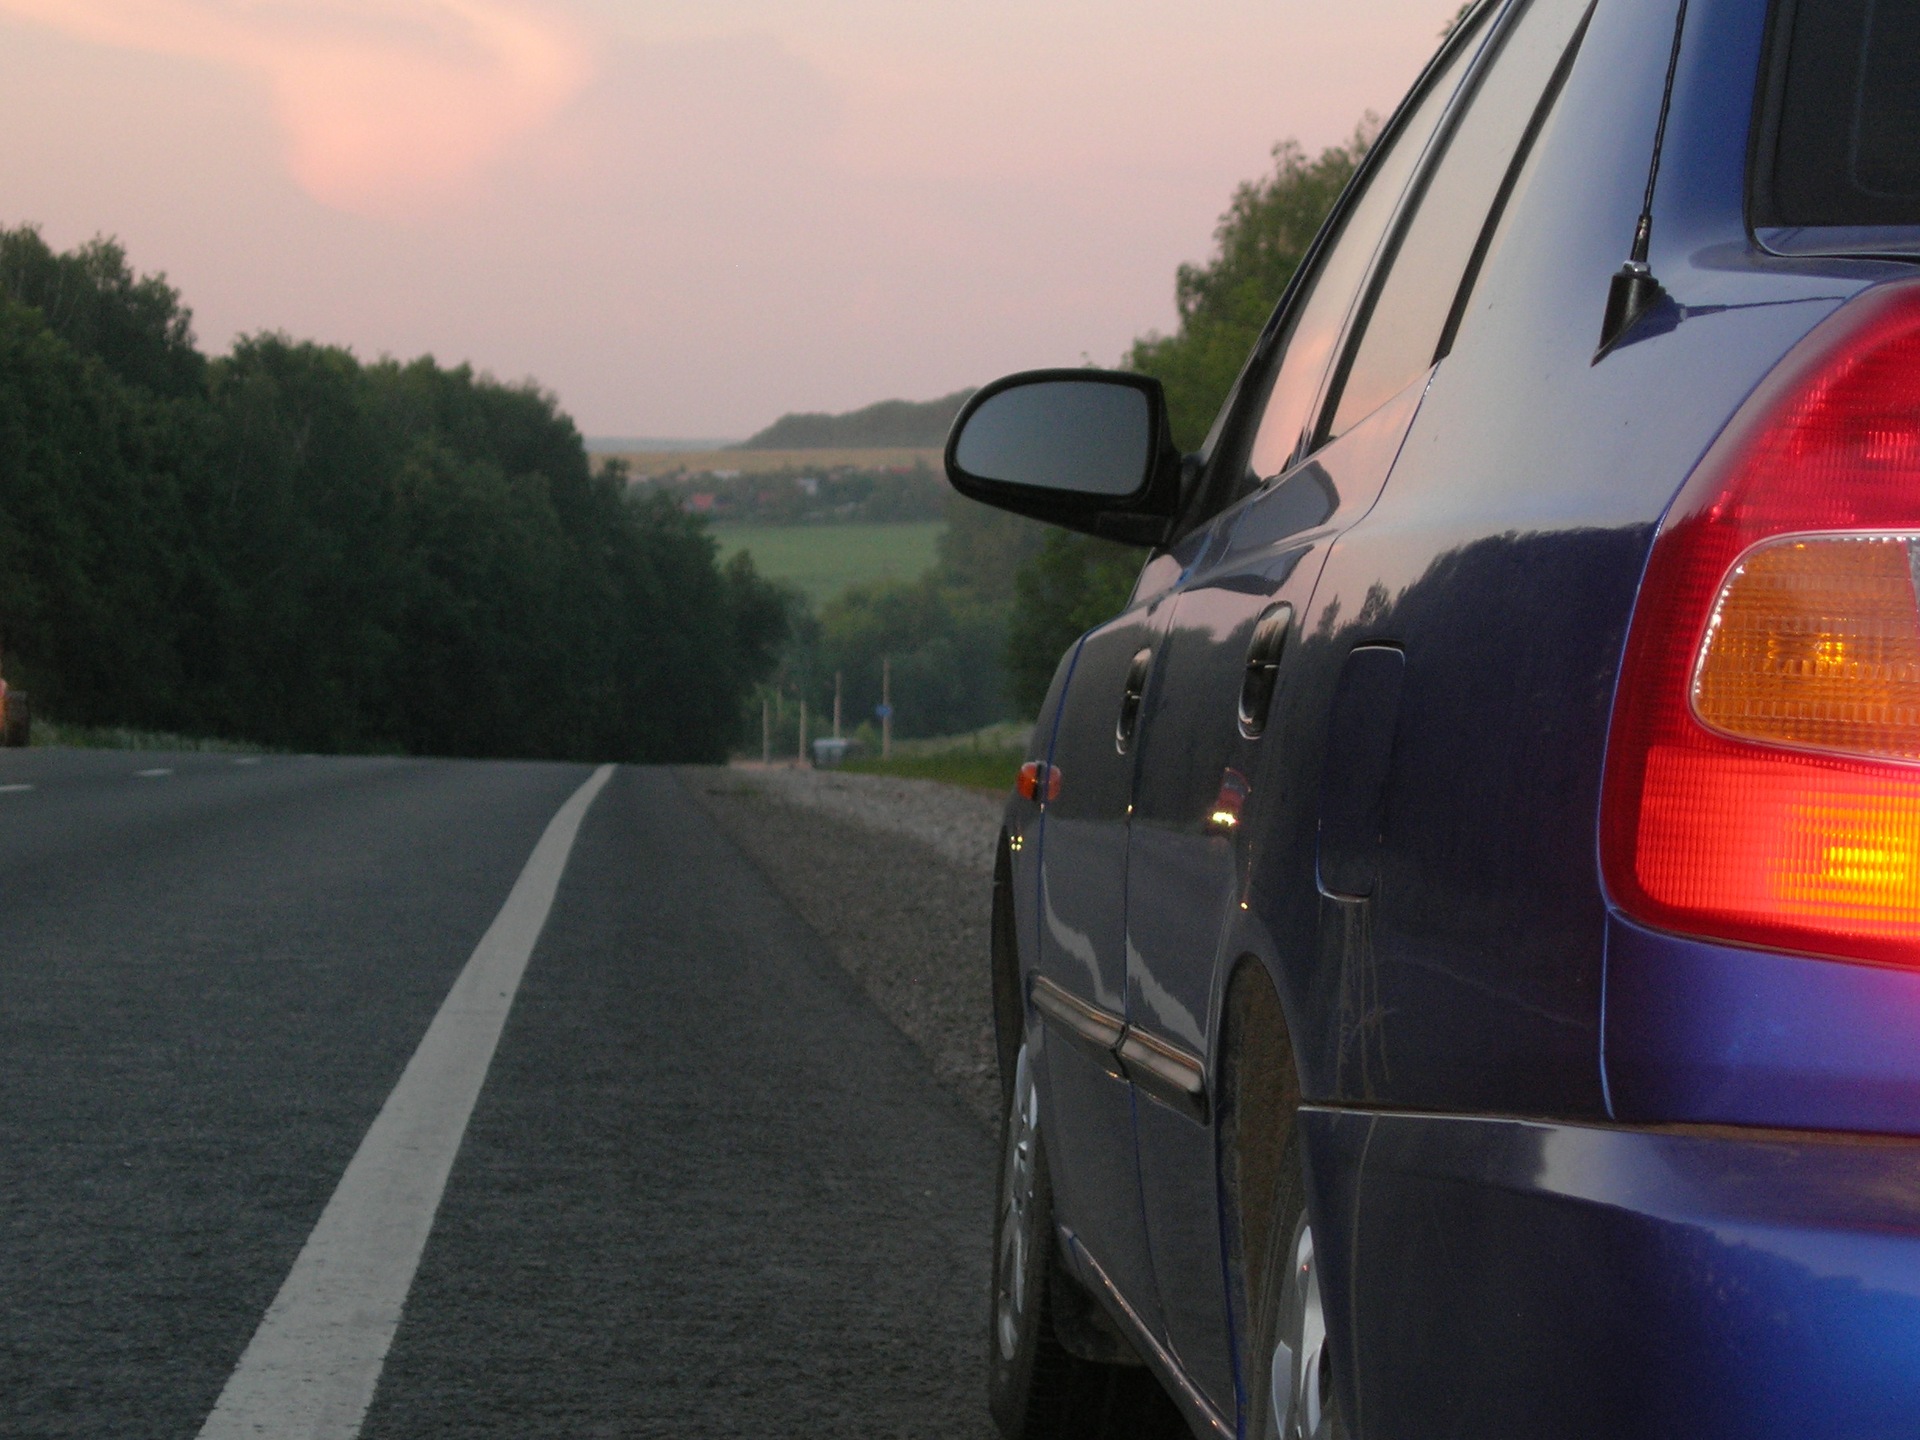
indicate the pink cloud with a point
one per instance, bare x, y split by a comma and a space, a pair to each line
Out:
386, 105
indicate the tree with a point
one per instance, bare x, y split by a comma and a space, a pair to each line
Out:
945, 632
288, 546
91, 298
90, 529
945, 648
1073, 584
982, 549
1259, 242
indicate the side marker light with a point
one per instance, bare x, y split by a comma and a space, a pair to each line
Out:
1038, 782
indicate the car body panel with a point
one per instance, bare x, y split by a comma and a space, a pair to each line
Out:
1716, 1034
1087, 1104
1526, 1278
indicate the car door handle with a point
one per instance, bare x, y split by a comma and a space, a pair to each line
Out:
1263, 667
1136, 687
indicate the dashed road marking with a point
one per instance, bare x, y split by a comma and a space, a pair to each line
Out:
313, 1364
248, 760
151, 774
10, 789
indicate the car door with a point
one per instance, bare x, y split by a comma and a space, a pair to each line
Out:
1077, 984
1202, 767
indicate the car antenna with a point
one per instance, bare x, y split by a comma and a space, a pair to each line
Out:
1634, 290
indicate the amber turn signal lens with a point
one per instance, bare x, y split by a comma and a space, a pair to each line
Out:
1038, 782
1815, 643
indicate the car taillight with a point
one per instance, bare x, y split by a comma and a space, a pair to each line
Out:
1763, 769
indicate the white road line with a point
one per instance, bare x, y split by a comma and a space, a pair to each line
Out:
312, 1366
248, 760
150, 774
9, 789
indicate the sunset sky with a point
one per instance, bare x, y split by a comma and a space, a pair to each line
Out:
684, 218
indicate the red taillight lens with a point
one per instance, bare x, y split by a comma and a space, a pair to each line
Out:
1762, 783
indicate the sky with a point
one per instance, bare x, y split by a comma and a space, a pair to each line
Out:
683, 217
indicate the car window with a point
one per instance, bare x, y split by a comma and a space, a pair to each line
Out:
1406, 316
1520, 175
1848, 113
1322, 309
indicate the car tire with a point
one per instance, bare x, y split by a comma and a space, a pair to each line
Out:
1291, 1393
1037, 1388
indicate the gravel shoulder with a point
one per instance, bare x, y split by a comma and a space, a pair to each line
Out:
896, 876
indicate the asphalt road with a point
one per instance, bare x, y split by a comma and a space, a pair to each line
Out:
706, 1189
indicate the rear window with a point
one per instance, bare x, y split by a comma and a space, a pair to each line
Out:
1844, 115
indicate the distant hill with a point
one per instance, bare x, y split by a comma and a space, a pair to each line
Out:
891, 423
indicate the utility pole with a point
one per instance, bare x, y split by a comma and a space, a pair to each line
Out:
886, 707
766, 731
836, 704
803, 731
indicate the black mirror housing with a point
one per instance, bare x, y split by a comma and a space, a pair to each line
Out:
1090, 450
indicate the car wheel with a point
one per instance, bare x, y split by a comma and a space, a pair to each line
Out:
1294, 1398
1037, 1389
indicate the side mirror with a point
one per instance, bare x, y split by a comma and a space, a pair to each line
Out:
1087, 449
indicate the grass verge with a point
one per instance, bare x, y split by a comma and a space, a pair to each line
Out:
55, 734
823, 560
988, 770
985, 760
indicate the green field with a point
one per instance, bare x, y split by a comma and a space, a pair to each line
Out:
822, 560
986, 759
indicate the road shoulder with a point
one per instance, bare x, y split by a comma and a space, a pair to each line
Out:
896, 877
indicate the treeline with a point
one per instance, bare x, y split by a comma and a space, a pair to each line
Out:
288, 546
944, 632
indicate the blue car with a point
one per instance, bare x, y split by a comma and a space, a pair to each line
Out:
1457, 942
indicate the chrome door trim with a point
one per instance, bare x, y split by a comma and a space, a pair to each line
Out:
1162, 1070
1087, 1026
1175, 1077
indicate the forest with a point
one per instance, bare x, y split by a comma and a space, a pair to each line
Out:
287, 546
